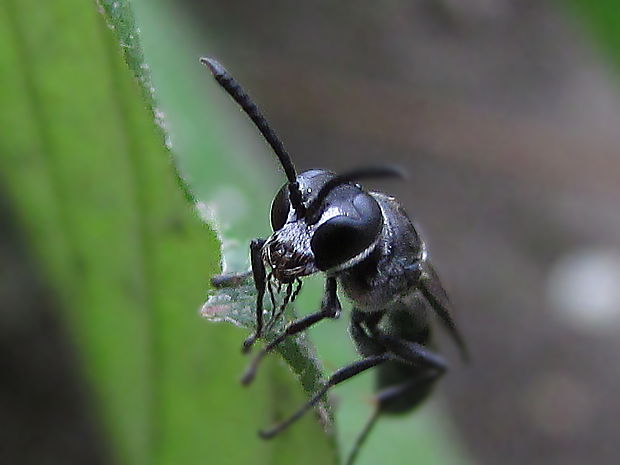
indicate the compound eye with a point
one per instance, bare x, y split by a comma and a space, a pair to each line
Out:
343, 237
279, 208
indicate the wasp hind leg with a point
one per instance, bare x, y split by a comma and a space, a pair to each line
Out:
337, 377
405, 380
385, 401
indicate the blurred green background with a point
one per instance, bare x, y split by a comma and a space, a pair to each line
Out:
505, 113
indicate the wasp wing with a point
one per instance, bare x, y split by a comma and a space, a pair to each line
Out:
432, 290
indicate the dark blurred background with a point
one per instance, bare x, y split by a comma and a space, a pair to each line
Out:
506, 117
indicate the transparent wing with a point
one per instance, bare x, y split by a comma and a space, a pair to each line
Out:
433, 291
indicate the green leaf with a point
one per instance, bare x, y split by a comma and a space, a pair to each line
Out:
84, 163
602, 18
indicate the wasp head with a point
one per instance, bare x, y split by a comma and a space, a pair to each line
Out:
335, 225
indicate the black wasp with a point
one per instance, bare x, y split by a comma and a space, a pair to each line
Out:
365, 243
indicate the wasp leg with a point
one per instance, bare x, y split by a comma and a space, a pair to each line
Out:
330, 308
366, 345
399, 350
411, 352
361, 438
260, 281
419, 366
381, 400
338, 377
370, 339
221, 281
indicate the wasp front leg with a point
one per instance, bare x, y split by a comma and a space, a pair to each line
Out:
330, 308
259, 276
222, 281
260, 281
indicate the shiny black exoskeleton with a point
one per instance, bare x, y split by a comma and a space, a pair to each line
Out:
365, 243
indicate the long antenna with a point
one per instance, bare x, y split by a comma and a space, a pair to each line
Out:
314, 208
240, 96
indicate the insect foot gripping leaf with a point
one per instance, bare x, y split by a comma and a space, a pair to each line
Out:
236, 304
